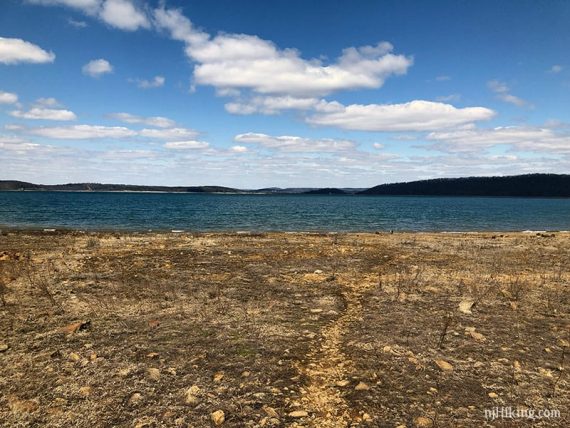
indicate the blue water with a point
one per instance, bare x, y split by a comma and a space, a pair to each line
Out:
207, 212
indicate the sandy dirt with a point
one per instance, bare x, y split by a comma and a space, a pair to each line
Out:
283, 329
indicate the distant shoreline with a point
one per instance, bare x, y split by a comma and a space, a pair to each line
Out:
527, 185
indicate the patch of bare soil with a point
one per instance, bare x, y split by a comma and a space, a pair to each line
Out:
290, 330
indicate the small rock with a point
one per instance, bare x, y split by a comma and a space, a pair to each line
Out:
3, 347
361, 387
316, 311
493, 395
246, 374
444, 365
192, 395
366, 417
343, 383
218, 417
466, 305
85, 391
298, 414
423, 422
318, 272
153, 373
218, 376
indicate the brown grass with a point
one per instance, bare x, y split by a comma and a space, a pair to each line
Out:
263, 325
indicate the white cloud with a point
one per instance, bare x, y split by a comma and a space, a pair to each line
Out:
124, 15
555, 69
288, 143
15, 51
503, 93
449, 98
521, 138
39, 113
76, 23
47, 102
416, 115
8, 98
239, 149
270, 105
187, 145
239, 61
174, 134
82, 132
121, 14
87, 6
97, 67
157, 121
155, 82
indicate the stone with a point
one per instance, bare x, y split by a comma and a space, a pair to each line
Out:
135, 398
493, 395
298, 414
85, 391
343, 383
361, 387
3, 347
218, 376
444, 365
466, 305
218, 417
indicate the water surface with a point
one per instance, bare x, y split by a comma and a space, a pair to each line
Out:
217, 212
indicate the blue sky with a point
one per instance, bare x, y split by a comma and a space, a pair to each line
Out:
282, 93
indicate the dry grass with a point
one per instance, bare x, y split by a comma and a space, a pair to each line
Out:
263, 325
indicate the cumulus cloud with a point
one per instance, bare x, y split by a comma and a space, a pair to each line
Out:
239, 149
521, 138
39, 113
16, 51
84, 132
240, 61
173, 134
416, 115
121, 14
8, 98
270, 105
502, 91
156, 121
81, 132
187, 145
288, 143
155, 82
97, 67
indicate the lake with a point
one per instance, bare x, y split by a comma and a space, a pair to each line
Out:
219, 212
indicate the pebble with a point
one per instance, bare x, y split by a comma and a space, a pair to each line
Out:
298, 414
3, 347
444, 365
218, 417
361, 387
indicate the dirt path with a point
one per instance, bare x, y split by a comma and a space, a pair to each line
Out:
329, 370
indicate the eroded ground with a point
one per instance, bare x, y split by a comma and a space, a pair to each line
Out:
297, 330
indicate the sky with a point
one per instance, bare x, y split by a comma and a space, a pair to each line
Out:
256, 93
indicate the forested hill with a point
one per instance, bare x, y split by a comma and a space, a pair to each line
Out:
549, 185
98, 187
